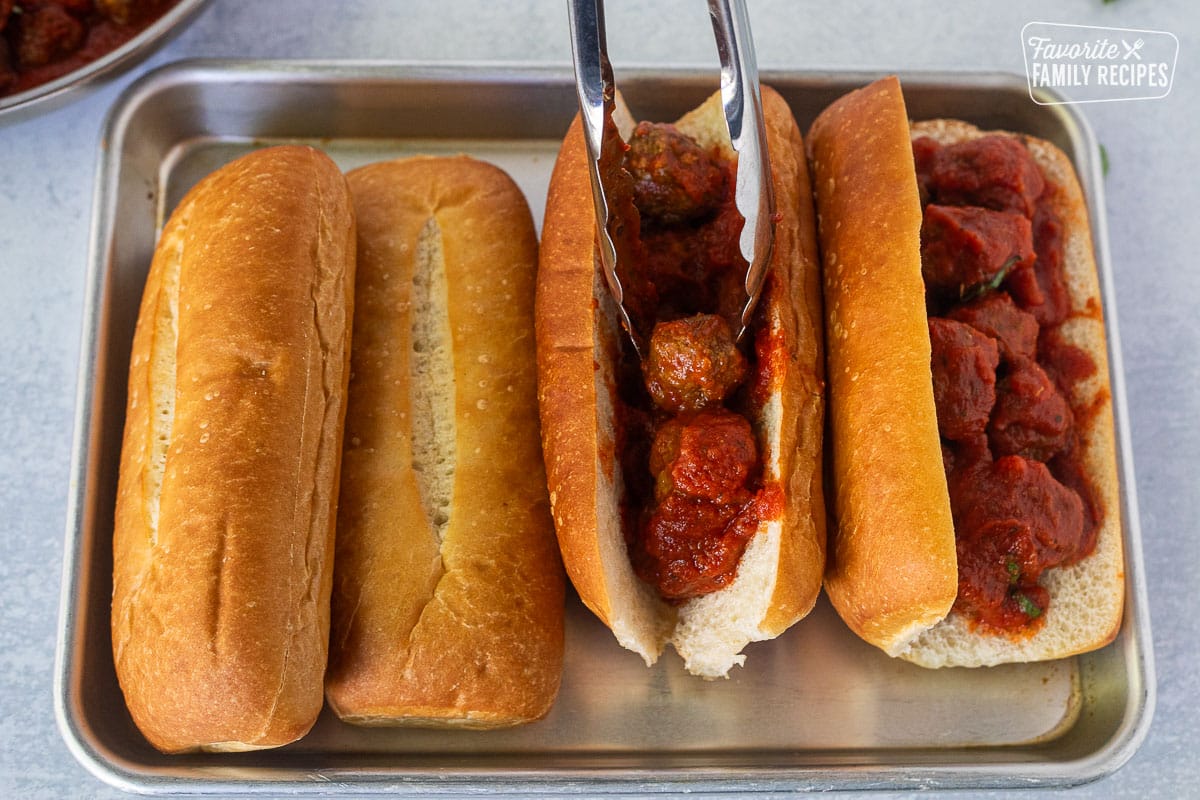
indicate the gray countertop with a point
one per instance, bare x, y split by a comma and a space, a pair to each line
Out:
47, 168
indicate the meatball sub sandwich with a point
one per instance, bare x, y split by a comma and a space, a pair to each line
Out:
686, 487
974, 470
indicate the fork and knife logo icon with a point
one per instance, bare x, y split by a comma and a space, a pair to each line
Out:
1132, 49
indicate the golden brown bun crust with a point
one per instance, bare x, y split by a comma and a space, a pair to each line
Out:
448, 601
792, 304
571, 323
578, 341
1086, 599
892, 569
239, 365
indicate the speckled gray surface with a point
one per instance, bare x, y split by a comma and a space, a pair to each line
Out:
46, 180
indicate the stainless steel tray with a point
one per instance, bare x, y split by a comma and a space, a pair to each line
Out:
814, 709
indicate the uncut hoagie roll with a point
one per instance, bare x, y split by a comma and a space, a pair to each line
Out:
593, 431
448, 595
892, 568
225, 508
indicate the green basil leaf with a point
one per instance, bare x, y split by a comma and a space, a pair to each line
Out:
980, 289
1028, 607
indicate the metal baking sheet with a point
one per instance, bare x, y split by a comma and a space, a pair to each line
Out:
814, 709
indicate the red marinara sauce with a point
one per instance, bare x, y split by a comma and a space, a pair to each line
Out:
44, 40
992, 257
691, 459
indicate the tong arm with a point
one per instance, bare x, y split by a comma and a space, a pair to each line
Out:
597, 90
742, 104
753, 193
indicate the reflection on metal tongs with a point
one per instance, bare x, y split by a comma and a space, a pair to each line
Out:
742, 102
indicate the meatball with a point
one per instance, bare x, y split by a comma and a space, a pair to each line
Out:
1015, 331
710, 455
8, 70
691, 547
996, 172
692, 363
6, 9
675, 180
925, 153
964, 365
1012, 521
964, 249
693, 536
1050, 300
46, 34
126, 11
1032, 418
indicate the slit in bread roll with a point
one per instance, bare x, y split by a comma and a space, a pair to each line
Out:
431, 381
162, 416
449, 591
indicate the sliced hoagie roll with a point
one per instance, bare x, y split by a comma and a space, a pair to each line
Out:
666, 534
974, 469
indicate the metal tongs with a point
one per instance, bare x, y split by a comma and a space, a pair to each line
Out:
742, 102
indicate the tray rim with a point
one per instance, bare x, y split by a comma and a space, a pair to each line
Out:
1139, 710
